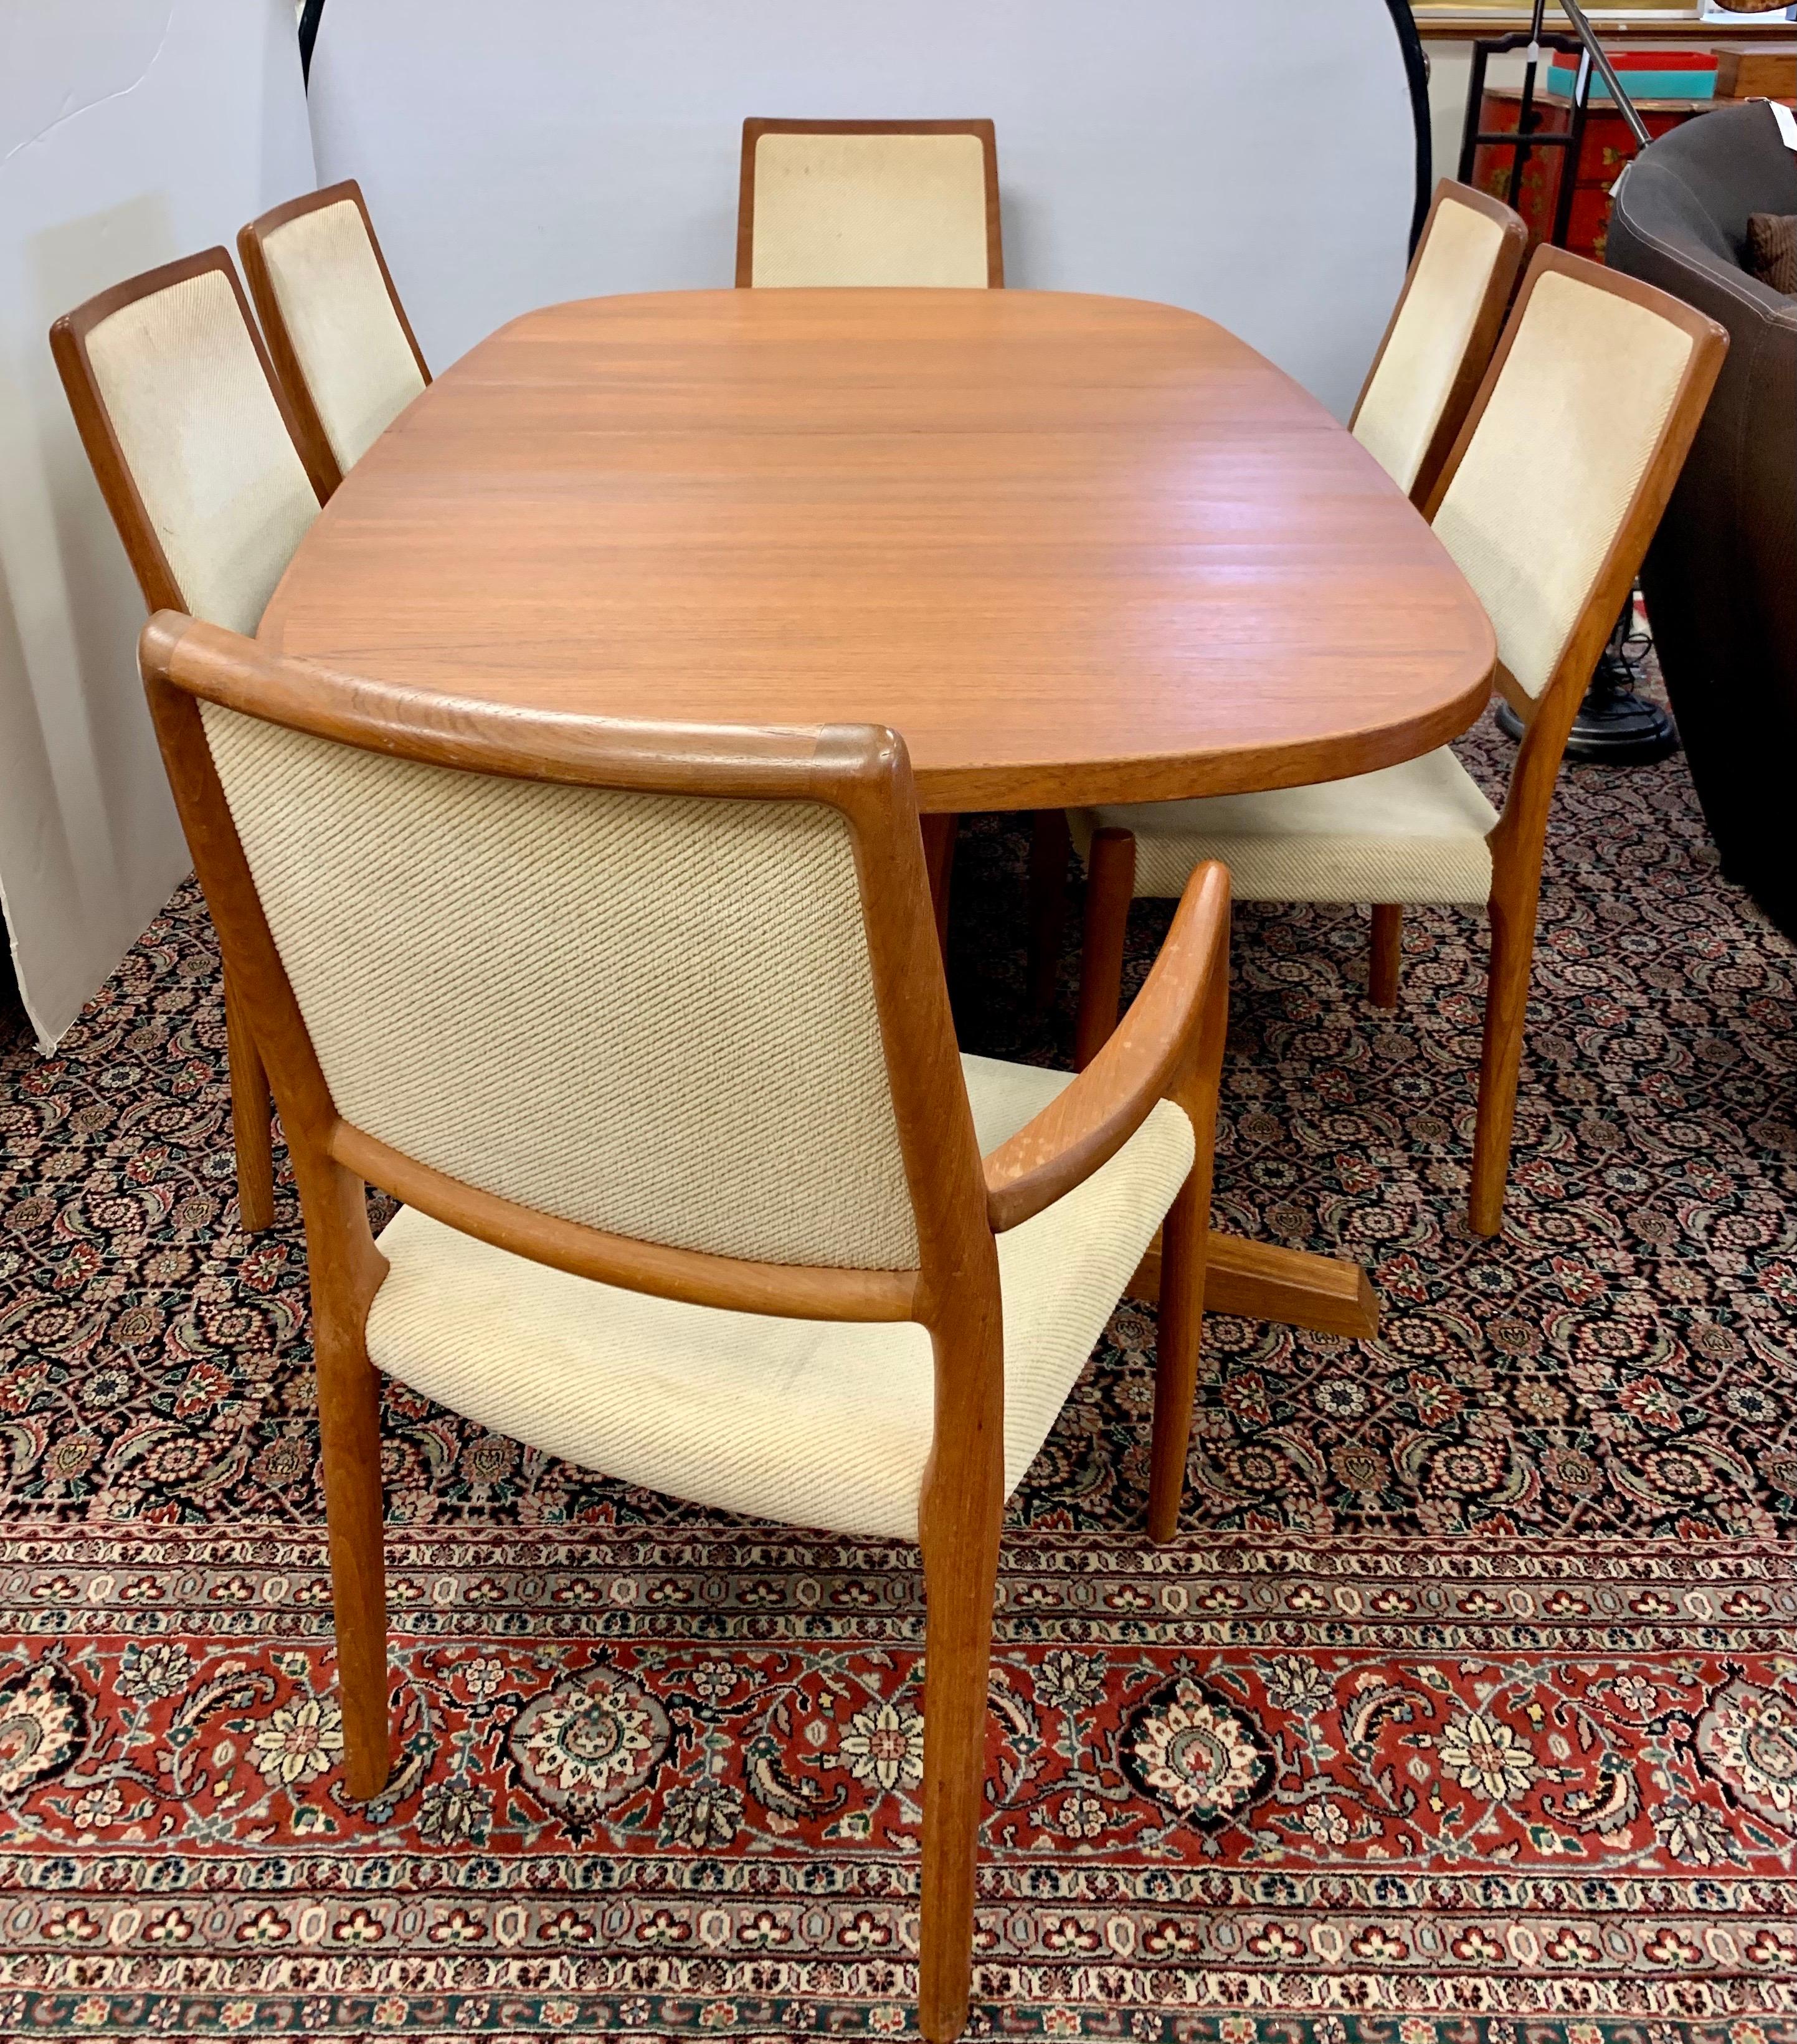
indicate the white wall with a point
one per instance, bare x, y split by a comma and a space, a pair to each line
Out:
1255, 161
131, 132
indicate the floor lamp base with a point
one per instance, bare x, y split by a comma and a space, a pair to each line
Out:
1615, 724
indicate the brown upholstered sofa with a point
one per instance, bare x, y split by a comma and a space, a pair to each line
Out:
1721, 577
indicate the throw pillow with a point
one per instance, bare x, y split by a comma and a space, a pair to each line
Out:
1772, 250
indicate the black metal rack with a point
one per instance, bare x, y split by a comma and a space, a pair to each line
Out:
1583, 44
1526, 139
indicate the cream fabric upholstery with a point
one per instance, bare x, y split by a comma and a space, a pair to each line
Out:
352, 351
1539, 496
1546, 480
1403, 403
651, 1014
1410, 833
813, 1423
205, 445
869, 209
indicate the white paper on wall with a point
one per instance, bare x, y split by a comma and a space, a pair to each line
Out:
131, 132
1253, 159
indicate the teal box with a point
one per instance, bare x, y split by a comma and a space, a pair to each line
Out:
1637, 84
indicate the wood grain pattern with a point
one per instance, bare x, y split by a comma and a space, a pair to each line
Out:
1084, 1126
1258, 1281
251, 1118
1110, 887
940, 832
1077, 550
1185, 1235
1385, 955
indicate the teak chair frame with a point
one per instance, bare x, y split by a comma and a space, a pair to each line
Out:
1487, 324
1169, 1046
756, 125
1517, 840
253, 254
250, 1104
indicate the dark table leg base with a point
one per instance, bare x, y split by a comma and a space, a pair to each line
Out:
1615, 724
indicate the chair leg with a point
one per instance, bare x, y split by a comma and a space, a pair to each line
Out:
1184, 1241
958, 1651
250, 1115
962, 1507
347, 1269
1507, 1004
349, 1420
1386, 958
939, 835
1110, 886
1048, 847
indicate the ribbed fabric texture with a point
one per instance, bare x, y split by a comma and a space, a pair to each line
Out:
358, 365
869, 209
1543, 486
1403, 403
814, 1423
1410, 833
205, 445
652, 1014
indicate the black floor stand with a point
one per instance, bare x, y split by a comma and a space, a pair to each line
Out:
1614, 723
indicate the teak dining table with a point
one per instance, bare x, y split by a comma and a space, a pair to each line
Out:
1076, 550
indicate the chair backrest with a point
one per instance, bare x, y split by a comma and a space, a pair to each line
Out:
341, 343
1443, 329
190, 437
1560, 475
869, 202
677, 987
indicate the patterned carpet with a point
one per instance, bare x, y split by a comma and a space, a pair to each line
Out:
1466, 1709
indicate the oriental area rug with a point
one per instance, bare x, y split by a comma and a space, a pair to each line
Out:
1465, 1708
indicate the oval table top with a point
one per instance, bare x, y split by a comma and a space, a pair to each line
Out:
1074, 549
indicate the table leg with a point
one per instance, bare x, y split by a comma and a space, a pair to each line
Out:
939, 858
1260, 1282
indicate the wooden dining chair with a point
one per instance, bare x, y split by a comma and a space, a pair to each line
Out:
1443, 328
341, 344
1435, 350
869, 202
647, 1027
1547, 502
200, 465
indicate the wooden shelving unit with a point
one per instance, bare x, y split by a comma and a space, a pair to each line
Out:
1645, 25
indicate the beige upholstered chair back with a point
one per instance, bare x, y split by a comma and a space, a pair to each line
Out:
1438, 323
651, 1014
324, 286
1581, 403
826, 203
186, 395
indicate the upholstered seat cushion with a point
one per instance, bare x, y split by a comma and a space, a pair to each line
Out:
810, 1422
1410, 833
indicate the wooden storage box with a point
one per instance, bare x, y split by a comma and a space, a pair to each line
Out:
1753, 70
